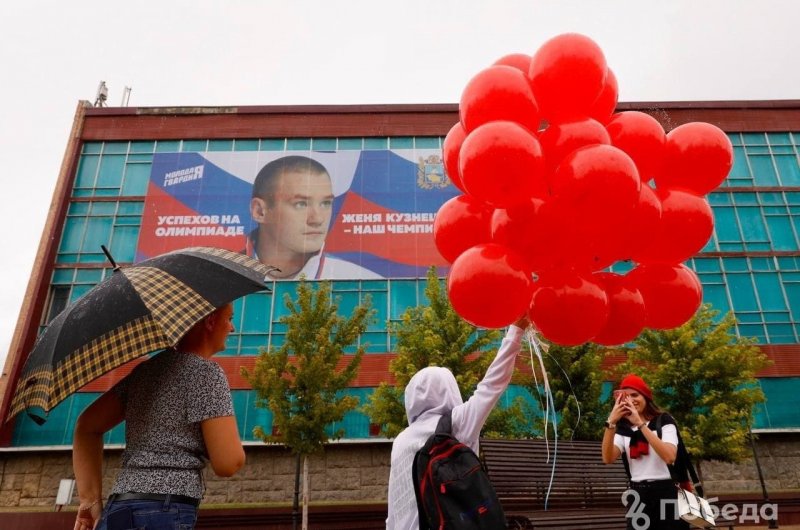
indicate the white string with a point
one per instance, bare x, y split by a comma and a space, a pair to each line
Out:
572, 391
551, 409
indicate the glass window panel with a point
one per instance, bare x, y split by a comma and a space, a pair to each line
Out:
373, 285
142, 147
752, 223
763, 171
781, 333
78, 291
194, 145
220, 145
735, 265
380, 305
102, 208
123, 243
245, 145
374, 342
73, 234
781, 233
137, 176
63, 275
376, 143
753, 330
252, 344
762, 264
141, 158
276, 340
425, 142
793, 296
115, 148
769, 290
92, 276
87, 171
726, 226
93, 148
111, 170
323, 144
771, 198
78, 208
779, 138
740, 169
168, 146
758, 150
715, 199
754, 139
403, 295
717, 296
788, 169
745, 199
130, 208
401, 142
59, 297
742, 293
347, 302
735, 138
98, 232
777, 317
298, 144
349, 144
273, 144
707, 265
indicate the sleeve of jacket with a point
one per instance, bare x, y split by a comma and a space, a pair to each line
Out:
468, 419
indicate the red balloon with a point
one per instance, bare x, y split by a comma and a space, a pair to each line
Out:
642, 137
686, 225
498, 93
489, 286
560, 139
567, 75
605, 104
646, 219
672, 293
526, 230
501, 163
450, 149
626, 315
520, 61
697, 158
599, 185
461, 222
567, 307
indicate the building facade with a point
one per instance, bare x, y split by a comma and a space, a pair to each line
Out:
122, 167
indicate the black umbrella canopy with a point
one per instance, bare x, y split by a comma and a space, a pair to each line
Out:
138, 310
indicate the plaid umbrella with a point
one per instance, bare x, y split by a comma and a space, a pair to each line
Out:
138, 310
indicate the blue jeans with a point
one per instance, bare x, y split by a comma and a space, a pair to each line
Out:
148, 515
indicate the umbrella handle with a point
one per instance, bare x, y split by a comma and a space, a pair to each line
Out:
110, 258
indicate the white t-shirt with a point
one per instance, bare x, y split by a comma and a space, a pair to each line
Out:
649, 466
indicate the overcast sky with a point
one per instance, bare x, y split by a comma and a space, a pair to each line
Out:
231, 53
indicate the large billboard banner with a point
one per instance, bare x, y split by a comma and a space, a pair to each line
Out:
328, 215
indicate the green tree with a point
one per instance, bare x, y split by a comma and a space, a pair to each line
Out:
576, 381
435, 335
301, 382
704, 375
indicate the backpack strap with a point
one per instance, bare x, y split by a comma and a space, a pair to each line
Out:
444, 426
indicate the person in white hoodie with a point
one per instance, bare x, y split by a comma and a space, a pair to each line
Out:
431, 393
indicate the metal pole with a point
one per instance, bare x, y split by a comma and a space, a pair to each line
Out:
773, 523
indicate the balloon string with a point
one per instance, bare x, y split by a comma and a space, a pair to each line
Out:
551, 406
572, 391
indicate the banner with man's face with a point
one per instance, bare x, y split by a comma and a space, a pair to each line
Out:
380, 219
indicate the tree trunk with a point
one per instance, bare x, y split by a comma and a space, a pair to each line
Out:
305, 492
296, 498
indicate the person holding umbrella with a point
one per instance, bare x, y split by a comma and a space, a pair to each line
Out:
179, 414
177, 405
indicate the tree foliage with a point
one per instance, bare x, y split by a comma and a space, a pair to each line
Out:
576, 381
435, 335
300, 382
704, 375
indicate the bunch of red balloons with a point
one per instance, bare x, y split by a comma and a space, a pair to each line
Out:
557, 187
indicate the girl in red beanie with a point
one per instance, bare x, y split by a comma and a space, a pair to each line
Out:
632, 429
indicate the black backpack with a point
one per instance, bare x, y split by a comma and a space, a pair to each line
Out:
452, 488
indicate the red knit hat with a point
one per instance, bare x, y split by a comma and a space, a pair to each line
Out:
634, 382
